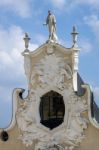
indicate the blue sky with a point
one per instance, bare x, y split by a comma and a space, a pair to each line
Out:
18, 17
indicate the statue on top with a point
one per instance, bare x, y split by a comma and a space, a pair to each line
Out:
51, 22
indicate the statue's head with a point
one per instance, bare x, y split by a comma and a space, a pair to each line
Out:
49, 12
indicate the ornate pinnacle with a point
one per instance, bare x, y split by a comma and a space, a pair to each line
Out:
26, 40
74, 36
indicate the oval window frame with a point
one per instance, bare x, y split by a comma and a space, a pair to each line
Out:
52, 109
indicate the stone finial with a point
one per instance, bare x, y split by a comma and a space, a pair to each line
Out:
26, 40
74, 36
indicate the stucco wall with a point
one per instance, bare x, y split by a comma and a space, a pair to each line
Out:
13, 142
91, 142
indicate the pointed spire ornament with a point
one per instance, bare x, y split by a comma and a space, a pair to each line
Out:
26, 40
74, 36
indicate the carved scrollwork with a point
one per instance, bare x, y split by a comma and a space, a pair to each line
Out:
51, 68
52, 72
71, 134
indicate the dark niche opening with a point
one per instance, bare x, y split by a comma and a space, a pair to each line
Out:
4, 136
52, 109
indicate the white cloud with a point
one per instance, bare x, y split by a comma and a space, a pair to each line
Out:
21, 7
67, 5
10, 46
85, 45
94, 3
93, 22
11, 60
58, 3
40, 38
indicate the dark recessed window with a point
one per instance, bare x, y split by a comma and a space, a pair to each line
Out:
52, 109
4, 136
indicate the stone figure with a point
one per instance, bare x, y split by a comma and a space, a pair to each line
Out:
51, 22
26, 40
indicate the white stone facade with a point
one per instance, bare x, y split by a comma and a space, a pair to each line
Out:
51, 68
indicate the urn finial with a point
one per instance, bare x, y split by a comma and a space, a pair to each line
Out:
74, 36
26, 40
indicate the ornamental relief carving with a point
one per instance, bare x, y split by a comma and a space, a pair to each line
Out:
69, 134
51, 69
52, 73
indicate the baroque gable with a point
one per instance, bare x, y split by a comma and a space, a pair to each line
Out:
51, 71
